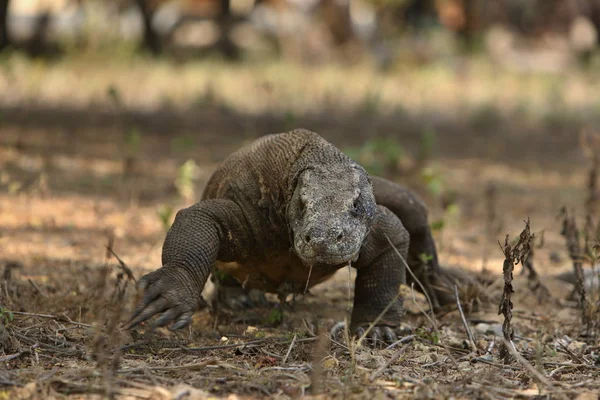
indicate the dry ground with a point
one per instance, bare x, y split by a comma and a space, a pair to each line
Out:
78, 166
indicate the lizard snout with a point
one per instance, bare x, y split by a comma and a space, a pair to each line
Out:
327, 245
320, 240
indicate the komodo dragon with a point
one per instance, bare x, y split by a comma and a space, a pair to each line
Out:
284, 214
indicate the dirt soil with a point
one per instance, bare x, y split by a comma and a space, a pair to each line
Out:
68, 189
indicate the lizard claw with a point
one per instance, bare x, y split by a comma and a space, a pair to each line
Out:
389, 336
378, 336
166, 293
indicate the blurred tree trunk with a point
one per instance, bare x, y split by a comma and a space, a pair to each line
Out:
594, 15
38, 44
470, 26
4, 38
225, 20
337, 19
151, 39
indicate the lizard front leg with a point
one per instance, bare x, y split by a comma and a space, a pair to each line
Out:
200, 234
381, 272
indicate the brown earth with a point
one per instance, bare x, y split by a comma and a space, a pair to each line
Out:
73, 177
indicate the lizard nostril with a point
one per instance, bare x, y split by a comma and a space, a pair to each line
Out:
307, 238
340, 237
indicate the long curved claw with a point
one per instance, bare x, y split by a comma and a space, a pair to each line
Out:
144, 312
389, 335
375, 337
182, 321
359, 332
378, 336
166, 318
166, 293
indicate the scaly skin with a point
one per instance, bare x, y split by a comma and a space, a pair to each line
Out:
288, 206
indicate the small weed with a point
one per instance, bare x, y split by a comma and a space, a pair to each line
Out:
14, 187
183, 143
186, 175
220, 275
133, 142
425, 258
437, 225
427, 145
6, 316
433, 181
371, 103
428, 334
290, 120
165, 214
114, 96
275, 317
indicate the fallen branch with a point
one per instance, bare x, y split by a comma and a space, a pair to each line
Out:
532, 371
19, 354
59, 318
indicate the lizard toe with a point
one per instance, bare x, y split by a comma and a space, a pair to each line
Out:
375, 337
182, 321
389, 336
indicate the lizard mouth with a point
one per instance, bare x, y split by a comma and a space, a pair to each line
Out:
331, 260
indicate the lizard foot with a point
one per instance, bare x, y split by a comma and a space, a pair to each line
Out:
378, 336
167, 292
236, 298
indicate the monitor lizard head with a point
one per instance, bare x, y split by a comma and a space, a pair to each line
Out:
330, 212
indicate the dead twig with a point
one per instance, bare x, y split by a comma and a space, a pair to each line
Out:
124, 266
537, 375
574, 356
317, 376
19, 354
253, 343
488, 362
188, 367
590, 144
533, 279
571, 234
37, 288
59, 318
491, 224
392, 360
472, 342
512, 256
405, 339
289, 351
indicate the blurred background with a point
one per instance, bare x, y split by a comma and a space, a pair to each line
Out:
114, 113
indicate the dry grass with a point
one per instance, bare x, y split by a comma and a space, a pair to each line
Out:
63, 193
